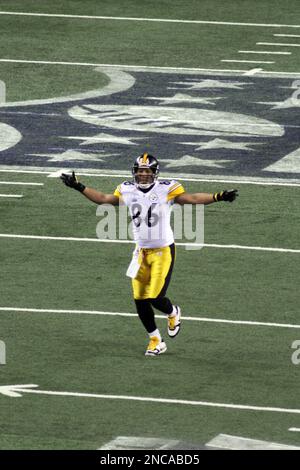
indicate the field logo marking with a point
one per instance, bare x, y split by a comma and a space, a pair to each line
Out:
2, 353
2, 92
197, 123
290, 163
295, 358
226, 441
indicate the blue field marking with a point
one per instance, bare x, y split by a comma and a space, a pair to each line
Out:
194, 123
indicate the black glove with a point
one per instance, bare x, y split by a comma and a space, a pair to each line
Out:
72, 182
227, 195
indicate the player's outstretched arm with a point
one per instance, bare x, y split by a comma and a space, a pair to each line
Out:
207, 198
95, 196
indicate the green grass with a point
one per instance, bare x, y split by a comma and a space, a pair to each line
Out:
242, 365
133, 43
222, 284
225, 363
99, 354
217, 282
261, 216
215, 10
27, 82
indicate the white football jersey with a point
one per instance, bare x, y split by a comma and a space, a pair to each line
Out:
150, 211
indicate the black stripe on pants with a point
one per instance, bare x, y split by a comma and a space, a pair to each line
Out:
146, 314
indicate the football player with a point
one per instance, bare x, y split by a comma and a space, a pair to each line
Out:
150, 202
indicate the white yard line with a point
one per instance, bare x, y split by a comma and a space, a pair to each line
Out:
21, 184
249, 61
119, 66
149, 67
294, 429
18, 196
155, 20
126, 314
241, 247
46, 171
199, 245
252, 72
31, 172
287, 35
277, 44
56, 174
265, 52
18, 390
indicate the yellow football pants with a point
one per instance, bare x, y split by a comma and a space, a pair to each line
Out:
155, 272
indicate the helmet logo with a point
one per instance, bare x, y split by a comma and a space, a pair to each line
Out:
144, 159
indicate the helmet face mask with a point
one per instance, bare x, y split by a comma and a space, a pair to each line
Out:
145, 171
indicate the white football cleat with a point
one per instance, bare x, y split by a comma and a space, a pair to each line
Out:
155, 347
174, 323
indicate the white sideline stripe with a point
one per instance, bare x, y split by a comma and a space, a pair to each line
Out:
11, 195
294, 429
33, 172
125, 314
145, 67
253, 71
101, 240
241, 247
15, 390
167, 400
277, 44
122, 66
209, 179
264, 52
21, 184
249, 61
56, 174
287, 35
158, 20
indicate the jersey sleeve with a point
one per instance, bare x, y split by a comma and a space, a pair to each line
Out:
175, 190
118, 191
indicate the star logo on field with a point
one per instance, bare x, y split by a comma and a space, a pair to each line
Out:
221, 144
199, 85
188, 160
182, 98
73, 155
103, 138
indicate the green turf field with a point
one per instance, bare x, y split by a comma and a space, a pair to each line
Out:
131, 42
240, 364
78, 345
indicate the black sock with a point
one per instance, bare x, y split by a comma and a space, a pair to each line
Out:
146, 314
163, 304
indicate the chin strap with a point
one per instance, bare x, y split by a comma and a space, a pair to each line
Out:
145, 185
